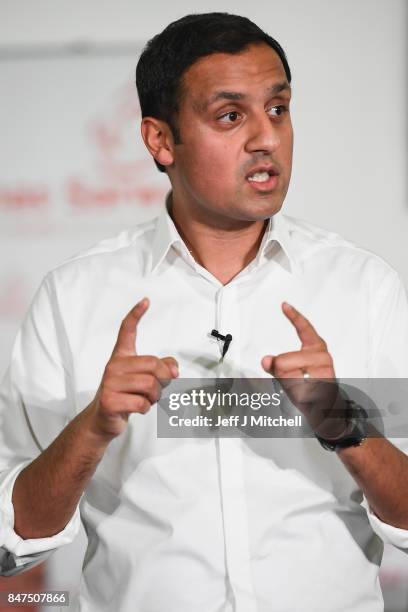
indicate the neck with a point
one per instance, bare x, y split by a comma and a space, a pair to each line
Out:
224, 248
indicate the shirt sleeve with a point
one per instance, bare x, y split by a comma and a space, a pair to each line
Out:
35, 405
390, 362
389, 328
388, 533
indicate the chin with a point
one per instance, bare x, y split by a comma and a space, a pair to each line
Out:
262, 211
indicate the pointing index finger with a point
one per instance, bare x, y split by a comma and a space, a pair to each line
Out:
305, 330
126, 341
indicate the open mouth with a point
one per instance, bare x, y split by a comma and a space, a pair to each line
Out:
263, 178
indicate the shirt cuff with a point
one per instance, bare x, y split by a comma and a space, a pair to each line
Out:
12, 542
388, 533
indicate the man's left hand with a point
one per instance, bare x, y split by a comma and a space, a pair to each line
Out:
301, 373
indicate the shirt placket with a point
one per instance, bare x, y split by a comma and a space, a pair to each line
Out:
231, 467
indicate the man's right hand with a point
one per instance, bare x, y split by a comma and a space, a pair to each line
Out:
131, 382
59, 475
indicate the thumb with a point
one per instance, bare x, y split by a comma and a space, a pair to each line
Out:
172, 365
126, 342
268, 363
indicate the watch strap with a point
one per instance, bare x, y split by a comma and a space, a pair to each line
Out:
356, 419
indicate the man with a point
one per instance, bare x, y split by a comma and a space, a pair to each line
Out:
206, 524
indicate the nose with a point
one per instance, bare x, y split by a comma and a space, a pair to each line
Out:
263, 135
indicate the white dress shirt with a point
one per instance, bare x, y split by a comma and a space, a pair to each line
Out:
206, 525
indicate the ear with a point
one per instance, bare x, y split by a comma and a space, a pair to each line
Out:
158, 139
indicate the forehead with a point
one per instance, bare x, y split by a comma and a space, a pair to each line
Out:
254, 67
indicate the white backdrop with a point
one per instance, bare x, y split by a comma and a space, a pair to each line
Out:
73, 170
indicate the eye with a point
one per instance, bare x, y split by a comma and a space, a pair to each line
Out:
230, 117
278, 111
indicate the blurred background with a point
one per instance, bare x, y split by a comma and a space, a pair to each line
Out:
73, 169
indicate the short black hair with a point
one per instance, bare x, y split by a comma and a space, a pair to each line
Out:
167, 56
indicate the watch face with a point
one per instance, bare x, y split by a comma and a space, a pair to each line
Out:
354, 438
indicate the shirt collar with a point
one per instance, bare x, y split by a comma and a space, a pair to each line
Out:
276, 244
166, 235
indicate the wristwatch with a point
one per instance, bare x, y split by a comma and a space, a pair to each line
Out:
356, 419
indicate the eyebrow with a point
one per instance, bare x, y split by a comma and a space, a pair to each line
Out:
236, 95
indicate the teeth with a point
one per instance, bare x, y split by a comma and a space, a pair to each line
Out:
259, 177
